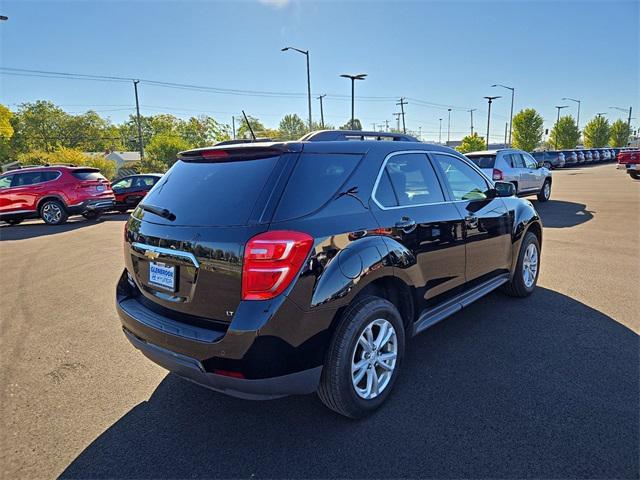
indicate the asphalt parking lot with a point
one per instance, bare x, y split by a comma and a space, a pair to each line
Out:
545, 387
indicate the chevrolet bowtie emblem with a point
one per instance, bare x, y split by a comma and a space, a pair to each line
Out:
151, 255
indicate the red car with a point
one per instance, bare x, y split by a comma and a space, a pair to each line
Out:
53, 193
629, 160
130, 190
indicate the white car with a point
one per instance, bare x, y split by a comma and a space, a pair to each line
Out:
517, 167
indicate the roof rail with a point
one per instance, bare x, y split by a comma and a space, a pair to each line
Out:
342, 135
243, 140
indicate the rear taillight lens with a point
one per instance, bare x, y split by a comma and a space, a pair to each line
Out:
497, 174
271, 261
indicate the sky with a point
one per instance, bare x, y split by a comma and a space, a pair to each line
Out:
443, 53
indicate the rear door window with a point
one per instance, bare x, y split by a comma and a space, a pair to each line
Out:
315, 180
408, 179
518, 160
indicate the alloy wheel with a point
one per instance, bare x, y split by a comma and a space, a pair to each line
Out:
51, 213
374, 359
530, 265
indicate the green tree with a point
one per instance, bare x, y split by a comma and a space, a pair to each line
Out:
6, 132
164, 148
243, 129
39, 126
564, 134
619, 133
292, 127
203, 131
349, 126
596, 132
527, 129
471, 143
71, 156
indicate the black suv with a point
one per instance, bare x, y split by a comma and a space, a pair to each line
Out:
267, 269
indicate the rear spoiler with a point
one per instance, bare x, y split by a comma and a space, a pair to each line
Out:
233, 152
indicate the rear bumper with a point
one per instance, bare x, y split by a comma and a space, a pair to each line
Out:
92, 205
275, 349
303, 382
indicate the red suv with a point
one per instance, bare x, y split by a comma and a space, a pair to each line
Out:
53, 193
130, 190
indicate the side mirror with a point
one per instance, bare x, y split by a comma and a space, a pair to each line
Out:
540, 164
504, 189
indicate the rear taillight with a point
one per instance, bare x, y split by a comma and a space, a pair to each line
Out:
271, 261
497, 174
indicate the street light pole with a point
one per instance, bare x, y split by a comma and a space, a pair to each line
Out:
559, 107
449, 126
513, 93
306, 54
440, 132
578, 114
353, 78
490, 100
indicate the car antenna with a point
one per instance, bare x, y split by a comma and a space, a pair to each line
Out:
249, 125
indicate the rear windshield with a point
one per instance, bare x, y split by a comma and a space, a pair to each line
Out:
87, 175
211, 193
483, 161
315, 180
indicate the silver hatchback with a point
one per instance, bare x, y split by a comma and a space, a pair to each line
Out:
517, 167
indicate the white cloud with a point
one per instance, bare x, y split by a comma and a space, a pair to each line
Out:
275, 3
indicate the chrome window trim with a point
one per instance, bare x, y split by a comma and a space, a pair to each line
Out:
427, 152
167, 251
39, 183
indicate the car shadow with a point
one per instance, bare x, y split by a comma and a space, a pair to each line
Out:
539, 387
562, 214
37, 228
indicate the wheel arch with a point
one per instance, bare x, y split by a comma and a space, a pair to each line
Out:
51, 196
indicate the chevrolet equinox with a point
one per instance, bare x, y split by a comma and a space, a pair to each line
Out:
267, 269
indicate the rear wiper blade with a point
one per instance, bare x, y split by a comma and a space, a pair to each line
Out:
162, 212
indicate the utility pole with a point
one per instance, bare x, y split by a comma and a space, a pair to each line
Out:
321, 110
233, 123
559, 107
402, 103
386, 125
506, 126
440, 132
490, 100
140, 145
449, 126
373, 125
397, 115
625, 110
420, 133
471, 112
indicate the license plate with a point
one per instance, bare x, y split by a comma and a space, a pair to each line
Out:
100, 188
162, 275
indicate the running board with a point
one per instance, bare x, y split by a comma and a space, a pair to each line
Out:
430, 317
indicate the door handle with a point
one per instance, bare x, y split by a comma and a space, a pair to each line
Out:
471, 221
406, 224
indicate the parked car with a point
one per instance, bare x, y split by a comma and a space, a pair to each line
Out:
629, 161
130, 190
605, 155
550, 159
267, 269
517, 167
588, 156
613, 154
53, 193
596, 155
570, 156
580, 156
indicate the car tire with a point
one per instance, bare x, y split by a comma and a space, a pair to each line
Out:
545, 193
53, 212
340, 388
547, 165
523, 284
635, 175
